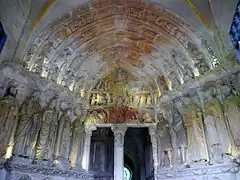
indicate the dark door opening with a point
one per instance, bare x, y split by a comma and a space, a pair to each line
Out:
102, 153
138, 154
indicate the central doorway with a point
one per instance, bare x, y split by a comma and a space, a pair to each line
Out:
138, 162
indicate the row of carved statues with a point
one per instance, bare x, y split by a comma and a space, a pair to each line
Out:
110, 99
199, 137
47, 136
32, 134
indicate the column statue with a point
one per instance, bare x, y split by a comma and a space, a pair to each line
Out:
197, 150
28, 127
164, 142
8, 122
216, 132
62, 146
180, 145
232, 114
77, 142
47, 134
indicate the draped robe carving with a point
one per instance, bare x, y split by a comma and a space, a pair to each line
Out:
66, 139
77, 142
8, 122
28, 127
197, 149
216, 131
47, 136
164, 141
232, 113
181, 138
63, 140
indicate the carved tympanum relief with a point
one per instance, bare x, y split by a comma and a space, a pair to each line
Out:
119, 115
120, 88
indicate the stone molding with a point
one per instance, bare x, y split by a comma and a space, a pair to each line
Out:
49, 171
89, 129
222, 171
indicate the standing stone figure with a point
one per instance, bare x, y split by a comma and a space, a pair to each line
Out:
63, 140
180, 145
66, 138
77, 141
216, 132
47, 134
197, 149
28, 127
8, 122
232, 113
164, 142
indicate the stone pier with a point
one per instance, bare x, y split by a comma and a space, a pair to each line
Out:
87, 145
119, 132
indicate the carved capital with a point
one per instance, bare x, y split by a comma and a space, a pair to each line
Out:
119, 129
90, 129
152, 130
119, 132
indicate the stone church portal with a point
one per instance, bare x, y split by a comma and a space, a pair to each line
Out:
119, 90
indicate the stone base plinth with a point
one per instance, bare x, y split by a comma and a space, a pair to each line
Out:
209, 172
36, 172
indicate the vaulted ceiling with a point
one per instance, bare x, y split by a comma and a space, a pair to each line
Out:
79, 44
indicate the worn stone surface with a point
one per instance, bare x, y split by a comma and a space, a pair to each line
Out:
71, 67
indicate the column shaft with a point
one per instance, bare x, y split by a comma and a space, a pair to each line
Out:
87, 146
59, 136
152, 133
119, 132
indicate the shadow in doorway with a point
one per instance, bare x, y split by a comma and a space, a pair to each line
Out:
138, 153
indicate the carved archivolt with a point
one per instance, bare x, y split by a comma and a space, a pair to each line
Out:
93, 39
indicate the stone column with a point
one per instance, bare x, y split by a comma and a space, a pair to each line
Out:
152, 133
87, 145
119, 132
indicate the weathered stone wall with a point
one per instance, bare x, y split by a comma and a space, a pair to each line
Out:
219, 172
33, 172
39, 124
197, 132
